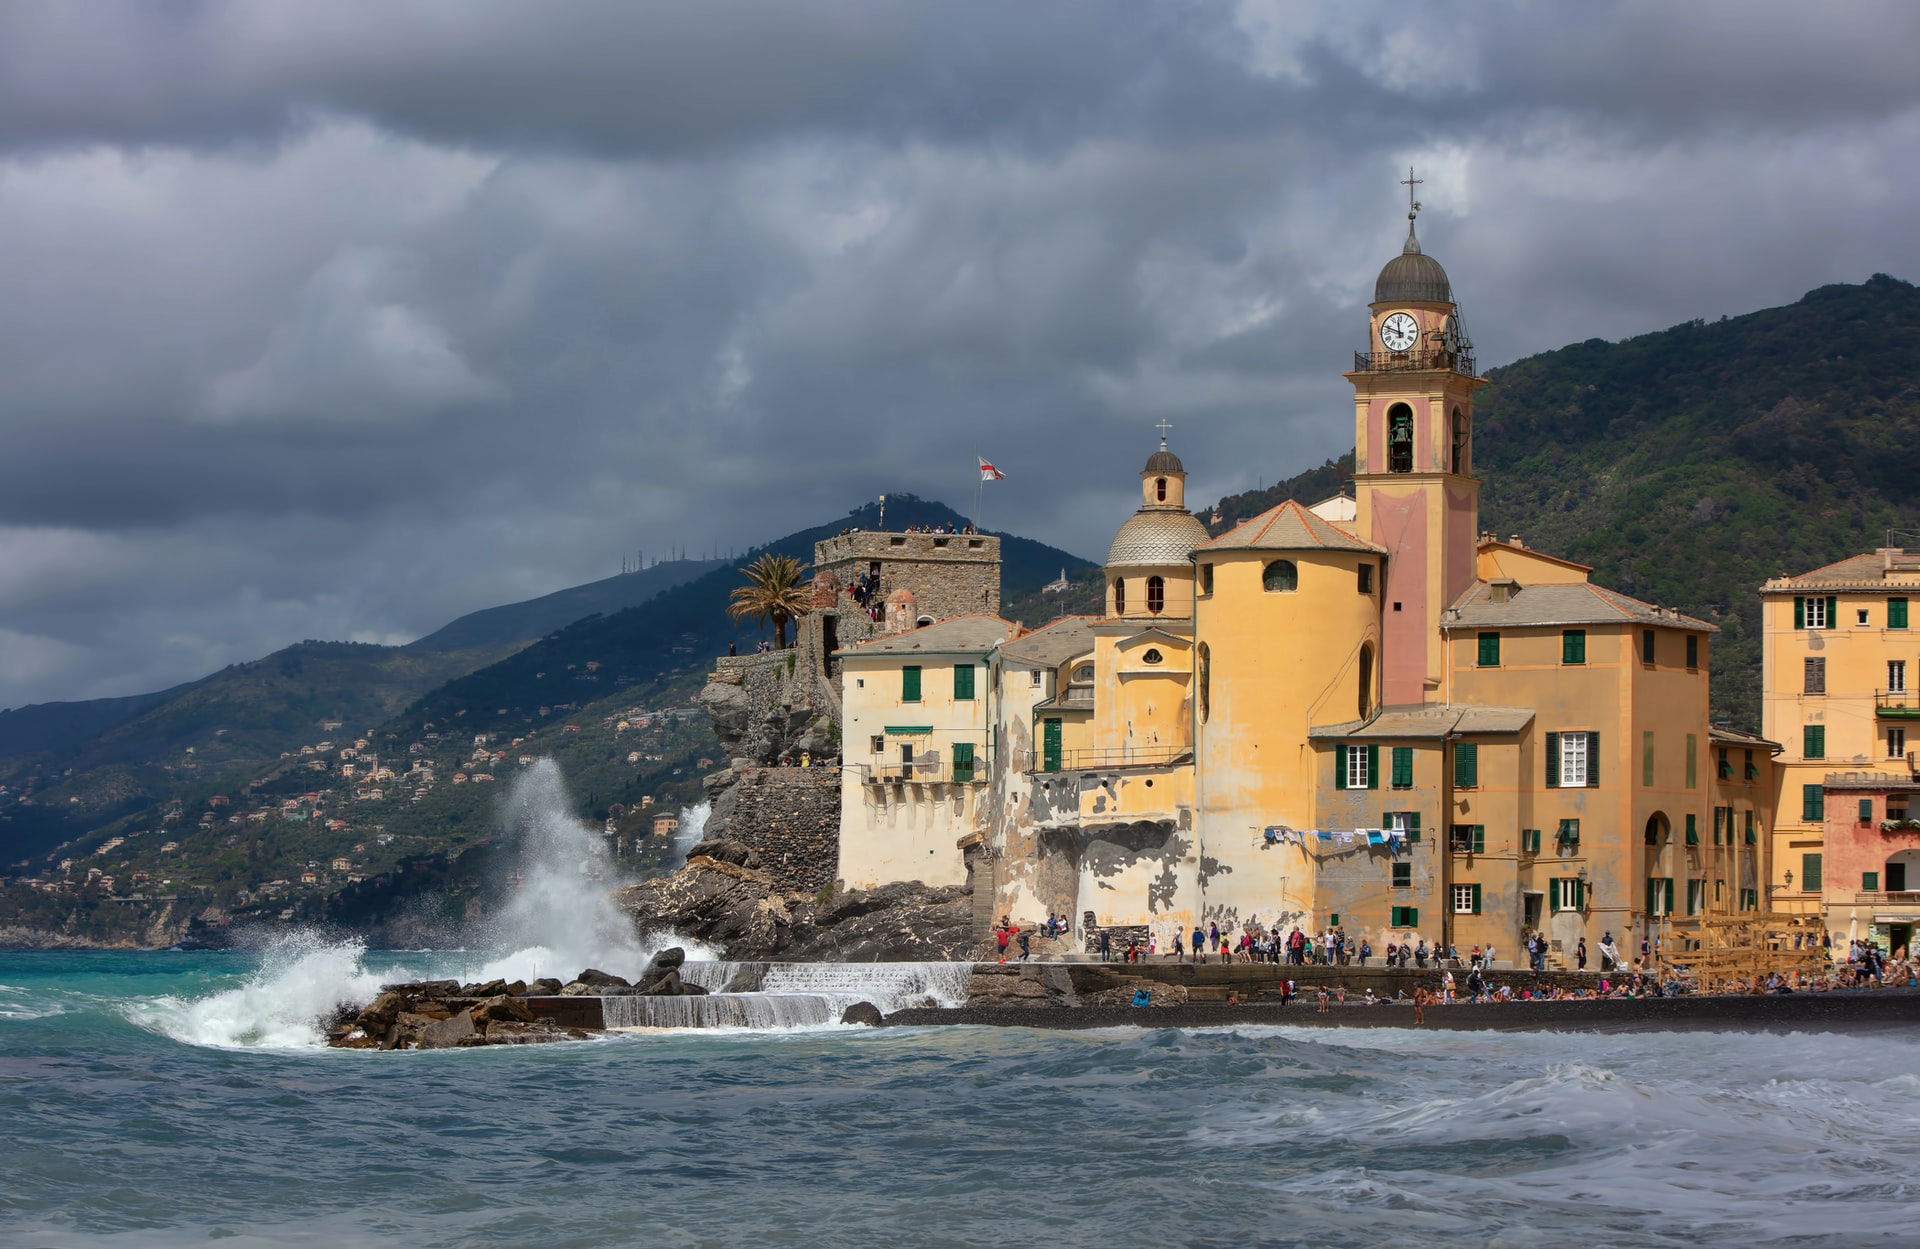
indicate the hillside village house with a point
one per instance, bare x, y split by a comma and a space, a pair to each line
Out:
1369, 714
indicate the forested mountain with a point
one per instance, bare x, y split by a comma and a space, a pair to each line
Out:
1690, 465
537, 617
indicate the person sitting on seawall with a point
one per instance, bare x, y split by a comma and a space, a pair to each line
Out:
1420, 954
1366, 951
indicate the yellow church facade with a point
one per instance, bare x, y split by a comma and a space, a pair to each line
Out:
1366, 715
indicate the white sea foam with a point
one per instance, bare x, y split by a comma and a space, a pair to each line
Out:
302, 979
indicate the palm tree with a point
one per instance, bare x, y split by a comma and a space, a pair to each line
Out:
773, 592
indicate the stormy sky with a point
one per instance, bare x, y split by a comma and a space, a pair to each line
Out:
337, 320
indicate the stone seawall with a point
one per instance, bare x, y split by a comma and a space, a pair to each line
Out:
791, 819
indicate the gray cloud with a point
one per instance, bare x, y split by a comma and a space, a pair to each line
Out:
340, 320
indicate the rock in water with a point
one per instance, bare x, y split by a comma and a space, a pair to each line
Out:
447, 1033
862, 1013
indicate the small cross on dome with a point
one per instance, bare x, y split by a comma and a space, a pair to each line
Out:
1163, 427
1410, 182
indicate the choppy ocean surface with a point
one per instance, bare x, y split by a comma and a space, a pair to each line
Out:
161, 1099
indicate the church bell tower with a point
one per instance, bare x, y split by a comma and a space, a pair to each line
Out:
1413, 460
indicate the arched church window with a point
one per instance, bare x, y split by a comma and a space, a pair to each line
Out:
1153, 656
1119, 596
1281, 577
1400, 439
1460, 441
1083, 673
1160, 490
1203, 663
1366, 680
1156, 594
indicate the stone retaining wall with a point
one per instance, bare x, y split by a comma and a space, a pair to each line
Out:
791, 818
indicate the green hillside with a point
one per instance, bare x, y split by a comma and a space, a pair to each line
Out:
537, 617
1690, 465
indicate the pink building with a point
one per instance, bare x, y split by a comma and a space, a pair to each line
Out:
1868, 870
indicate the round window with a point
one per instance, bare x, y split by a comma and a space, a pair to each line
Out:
1152, 657
1281, 577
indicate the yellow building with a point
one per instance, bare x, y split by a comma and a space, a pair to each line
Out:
1837, 651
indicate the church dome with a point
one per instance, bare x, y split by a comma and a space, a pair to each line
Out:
1412, 275
1163, 461
1155, 537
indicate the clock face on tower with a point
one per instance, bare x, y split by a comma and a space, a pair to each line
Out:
1399, 332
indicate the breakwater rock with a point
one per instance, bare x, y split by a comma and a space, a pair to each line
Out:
725, 897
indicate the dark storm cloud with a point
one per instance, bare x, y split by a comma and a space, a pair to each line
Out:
339, 320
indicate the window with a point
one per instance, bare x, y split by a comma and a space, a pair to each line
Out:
1896, 613
1407, 822
1814, 675
1403, 767
962, 683
1693, 829
1459, 441
1034, 678
1156, 594
1749, 837
1814, 741
1813, 613
1119, 596
1896, 743
1159, 490
1693, 652
1403, 875
1646, 758
1366, 579
1870, 881
1569, 834
1810, 873
1356, 767
1659, 895
1646, 646
879, 744
1489, 650
1573, 646
1281, 577
1866, 810
1400, 439
1365, 673
1696, 896
1573, 759
1206, 578
1753, 769
1693, 762
1724, 768
1203, 660
1568, 893
1404, 916
963, 761
1083, 673
1813, 803
1466, 766
1860, 616
1530, 841
1469, 839
1720, 815
1050, 745
1749, 899
1896, 676
1466, 899
1152, 656
910, 684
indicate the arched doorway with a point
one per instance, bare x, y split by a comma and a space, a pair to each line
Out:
1903, 871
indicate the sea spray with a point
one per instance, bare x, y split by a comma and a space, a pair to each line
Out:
302, 979
693, 827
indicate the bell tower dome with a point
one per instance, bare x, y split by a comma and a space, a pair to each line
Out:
1414, 488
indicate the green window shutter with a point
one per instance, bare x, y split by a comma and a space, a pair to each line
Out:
1870, 881
1489, 650
1050, 739
962, 682
1866, 810
1896, 613
1799, 612
1593, 761
1479, 845
1812, 803
1833, 611
1373, 765
1573, 646
910, 684
1815, 741
1476, 892
1810, 873
1693, 762
1693, 829
1579, 893
963, 761
1466, 765
1750, 837
1413, 826
1403, 767
1340, 767
1553, 761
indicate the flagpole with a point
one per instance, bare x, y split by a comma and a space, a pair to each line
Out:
979, 475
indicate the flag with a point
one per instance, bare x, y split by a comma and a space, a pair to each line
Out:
987, 471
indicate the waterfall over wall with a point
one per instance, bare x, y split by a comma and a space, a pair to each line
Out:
791, 995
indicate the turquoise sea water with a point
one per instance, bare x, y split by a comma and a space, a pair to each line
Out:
165, 1098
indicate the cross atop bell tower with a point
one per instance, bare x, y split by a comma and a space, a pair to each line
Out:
1414, 487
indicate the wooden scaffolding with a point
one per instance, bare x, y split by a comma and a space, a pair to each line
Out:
1716, 951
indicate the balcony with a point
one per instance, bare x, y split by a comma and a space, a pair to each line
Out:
1125, 757
1419, 359
930, 772
1897, 897
1896, 705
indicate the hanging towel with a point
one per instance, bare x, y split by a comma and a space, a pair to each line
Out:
1376, 837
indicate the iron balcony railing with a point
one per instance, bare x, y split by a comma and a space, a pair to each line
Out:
1095, 760
1896, 705
918, 773
1895, 897
1416, 360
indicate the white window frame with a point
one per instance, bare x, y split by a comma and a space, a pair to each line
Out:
1896, 743
1896, 676
1566, 890
1573, 760
1463, 899
1356, 767
1816, 612
1402, 820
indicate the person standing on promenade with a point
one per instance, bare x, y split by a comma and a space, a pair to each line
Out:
1003, 933
1580, 954
1199, 950
1026, 946
1106, 946
1446, 987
